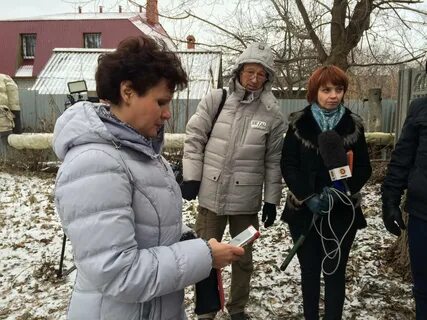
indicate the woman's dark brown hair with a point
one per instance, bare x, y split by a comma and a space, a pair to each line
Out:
142, 61
321, 77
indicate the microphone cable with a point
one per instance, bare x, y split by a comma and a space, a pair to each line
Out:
337, 251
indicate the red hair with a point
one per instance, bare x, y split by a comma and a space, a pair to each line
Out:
321, 77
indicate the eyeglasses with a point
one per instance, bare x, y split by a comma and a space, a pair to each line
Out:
252, 74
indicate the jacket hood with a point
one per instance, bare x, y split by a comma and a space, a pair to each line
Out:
86, 123
256, 52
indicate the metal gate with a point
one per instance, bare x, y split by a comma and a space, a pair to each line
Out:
412, 85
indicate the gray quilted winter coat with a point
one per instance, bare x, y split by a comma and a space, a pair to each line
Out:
244, 149
120, 206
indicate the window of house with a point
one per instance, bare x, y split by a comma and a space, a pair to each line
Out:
28, 44
92, 40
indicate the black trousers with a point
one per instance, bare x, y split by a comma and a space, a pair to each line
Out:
417, 238
310, 256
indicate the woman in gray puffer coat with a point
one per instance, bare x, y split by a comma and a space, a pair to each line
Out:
117, 197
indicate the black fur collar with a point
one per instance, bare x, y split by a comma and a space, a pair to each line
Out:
306, 128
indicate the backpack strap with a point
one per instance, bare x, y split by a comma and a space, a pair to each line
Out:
221, 105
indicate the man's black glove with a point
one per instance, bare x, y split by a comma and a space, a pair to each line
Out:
318, 204
392, 217
190, 189
268, 214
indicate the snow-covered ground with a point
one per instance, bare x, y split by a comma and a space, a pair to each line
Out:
31, 238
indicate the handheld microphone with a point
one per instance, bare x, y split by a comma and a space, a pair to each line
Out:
332, 151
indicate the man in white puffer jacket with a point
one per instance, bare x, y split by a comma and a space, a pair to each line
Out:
228, 169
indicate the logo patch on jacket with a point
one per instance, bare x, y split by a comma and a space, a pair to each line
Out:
257, 124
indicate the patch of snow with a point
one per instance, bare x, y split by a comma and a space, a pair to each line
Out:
31, 239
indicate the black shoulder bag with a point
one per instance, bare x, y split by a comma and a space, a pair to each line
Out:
221, 105
209, 293
177, 168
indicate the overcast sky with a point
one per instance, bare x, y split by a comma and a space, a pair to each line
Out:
177, 29
27, 8
11, 9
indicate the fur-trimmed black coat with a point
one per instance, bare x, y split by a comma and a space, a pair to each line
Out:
304, 171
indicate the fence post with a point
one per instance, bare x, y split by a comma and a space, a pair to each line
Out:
403, 98
375, 112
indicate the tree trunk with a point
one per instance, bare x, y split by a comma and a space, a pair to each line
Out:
338, 59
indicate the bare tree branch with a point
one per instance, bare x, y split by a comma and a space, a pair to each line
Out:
329, 9
347, 33
313, 36
210, 45
403, 7
218, 27
293, 60
285, 17
379, 3
338, 13
388, 63
386, 6
359, 21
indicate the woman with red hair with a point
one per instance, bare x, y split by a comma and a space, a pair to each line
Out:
315, 205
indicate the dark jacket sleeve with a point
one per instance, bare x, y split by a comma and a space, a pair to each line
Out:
402, 158
295, 178
361, 165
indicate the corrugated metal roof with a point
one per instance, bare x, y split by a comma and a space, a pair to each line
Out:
24, 71
65, 65
153, 31
203, 69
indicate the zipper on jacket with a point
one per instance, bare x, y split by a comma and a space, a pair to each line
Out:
244, 131
229, 162
141, 311
117, 145
154, 308
163, 163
